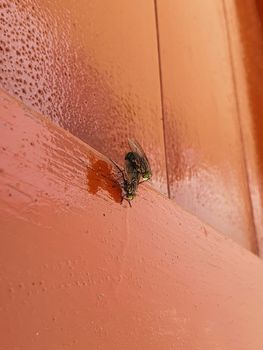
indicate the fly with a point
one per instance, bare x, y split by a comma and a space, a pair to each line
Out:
136, 170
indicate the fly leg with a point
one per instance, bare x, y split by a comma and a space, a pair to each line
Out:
120, 170
117, 166
123, 178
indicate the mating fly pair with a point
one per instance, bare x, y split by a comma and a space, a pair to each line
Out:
136, 170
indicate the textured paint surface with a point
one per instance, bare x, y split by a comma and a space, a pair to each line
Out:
80, 271
206, 166
92, 67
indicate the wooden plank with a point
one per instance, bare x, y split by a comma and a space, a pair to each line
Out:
206, 161
247, 56
80, 271
92, 67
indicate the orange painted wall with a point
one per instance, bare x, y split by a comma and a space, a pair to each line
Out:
206, 164
77, 269
247, 52
104, 71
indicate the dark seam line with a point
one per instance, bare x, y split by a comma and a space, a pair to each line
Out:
161, 93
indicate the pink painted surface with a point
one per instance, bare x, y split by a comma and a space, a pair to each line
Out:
92, 67
80, 271
206, 161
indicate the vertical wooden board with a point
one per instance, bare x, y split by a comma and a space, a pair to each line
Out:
206, 167
92, 67
79, 271
245, 21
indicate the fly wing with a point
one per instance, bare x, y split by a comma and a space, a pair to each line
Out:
129, 171
136, 147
